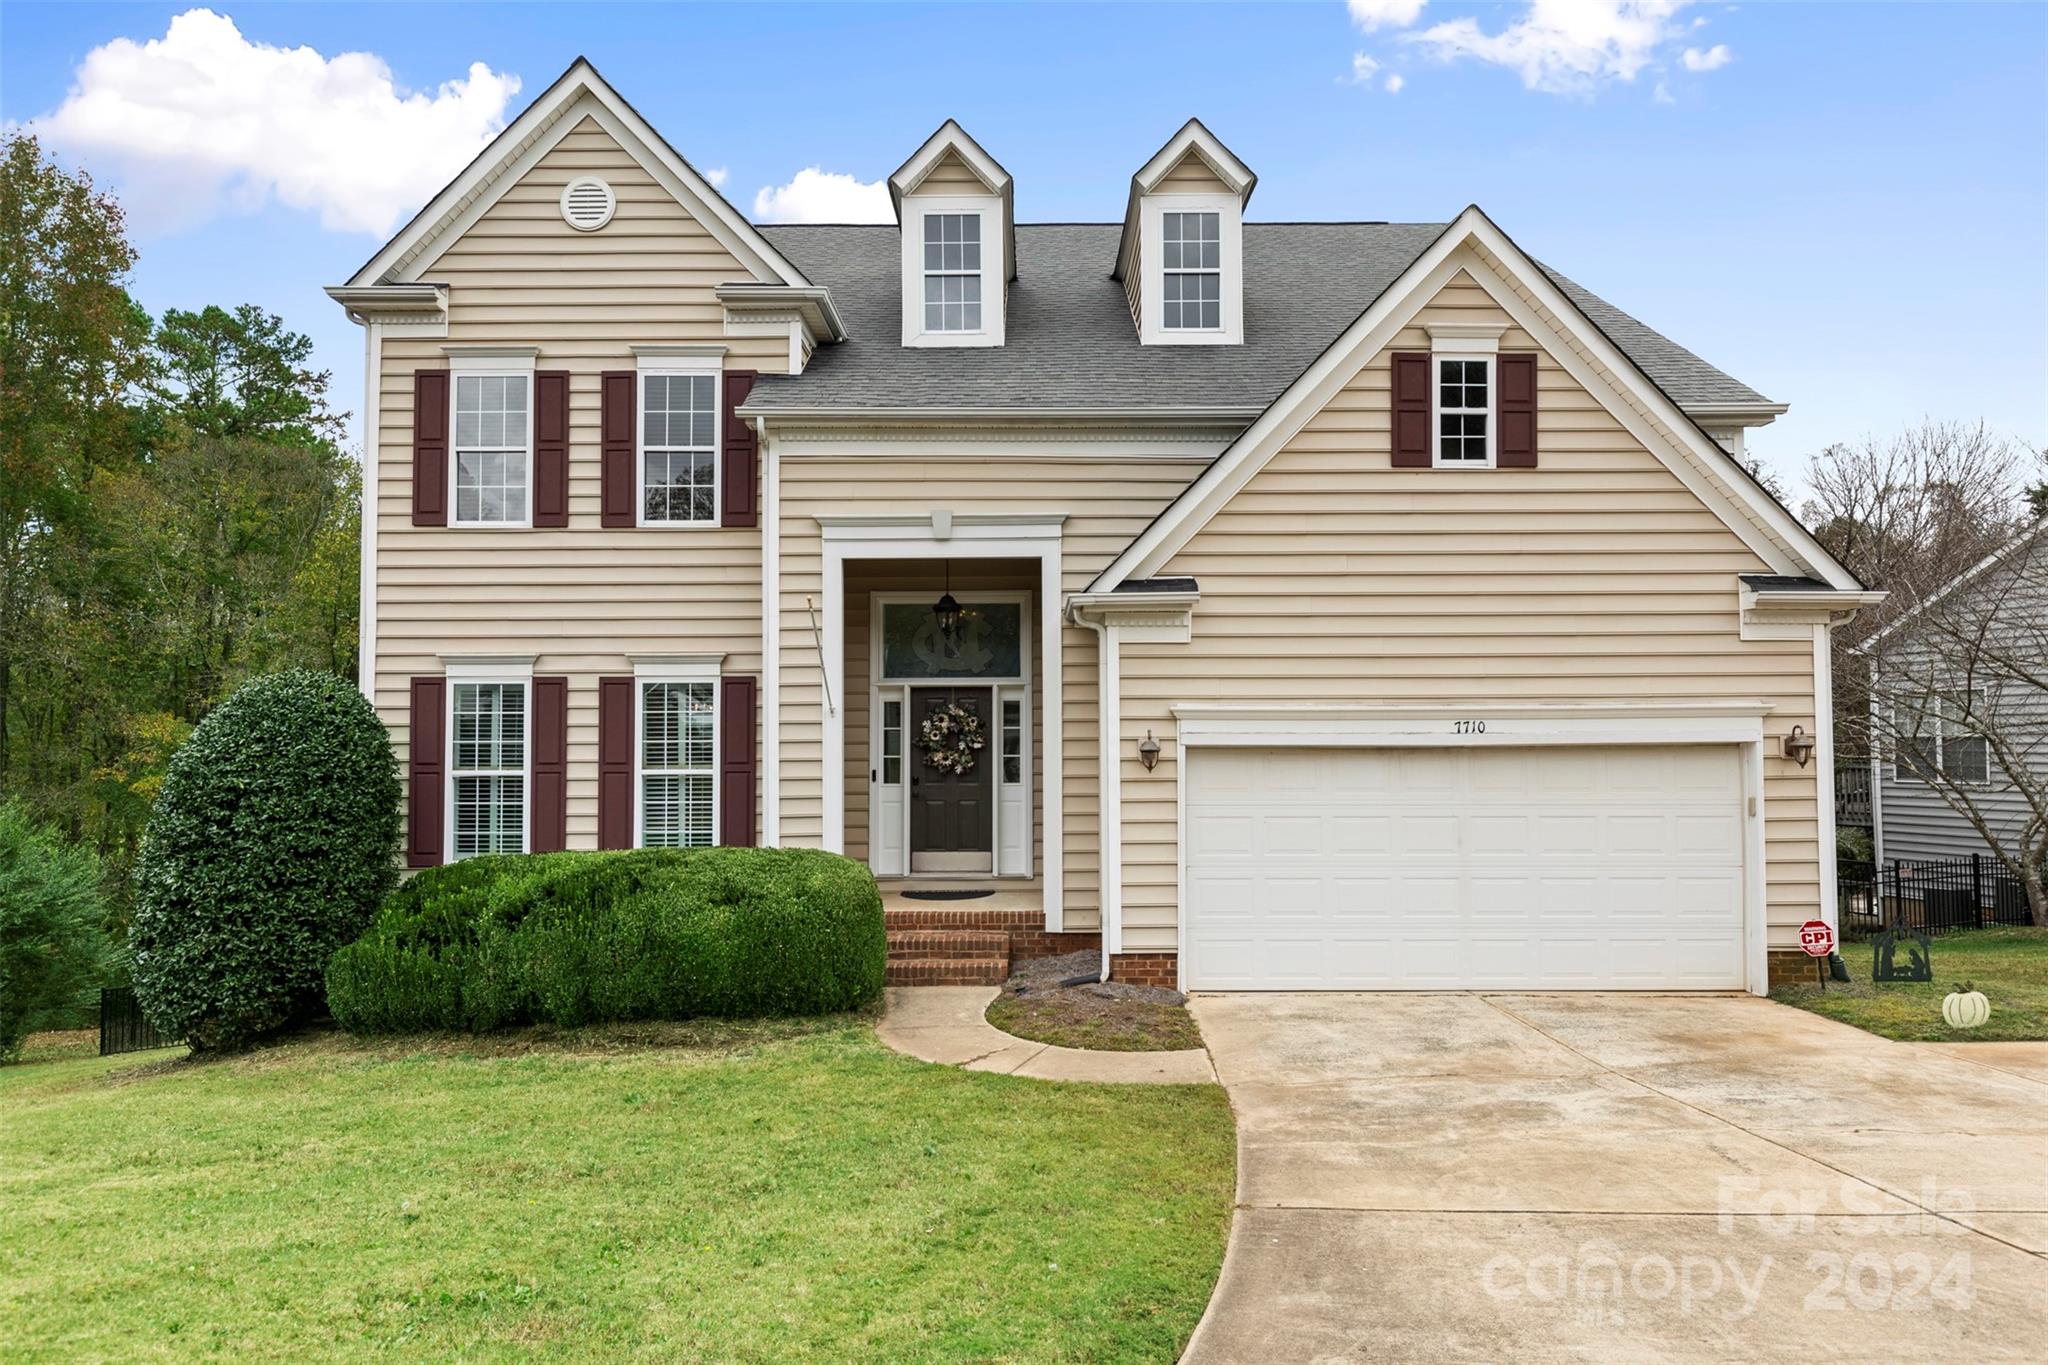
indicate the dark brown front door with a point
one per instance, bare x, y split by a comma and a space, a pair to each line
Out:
951, 813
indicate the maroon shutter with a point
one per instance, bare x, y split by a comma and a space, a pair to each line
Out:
736, 760
430, 447
1411, 410
551, 448
738, 475
426, 772
615, 762
615, 443
550, 803
1516, 442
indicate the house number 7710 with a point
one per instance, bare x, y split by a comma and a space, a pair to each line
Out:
1468, 727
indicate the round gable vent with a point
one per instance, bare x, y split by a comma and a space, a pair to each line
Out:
587, 203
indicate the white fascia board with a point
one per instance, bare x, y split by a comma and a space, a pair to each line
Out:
579, 92
813, 302
1735, 414
1788, 547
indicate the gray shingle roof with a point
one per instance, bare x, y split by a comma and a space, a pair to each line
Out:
1070, 342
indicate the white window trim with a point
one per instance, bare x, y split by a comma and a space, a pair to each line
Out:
679, 360
989, 208
1229, 211
681, 668
1907, 772
1166, 270
487, 671
925, 272
484, 361
1436, 393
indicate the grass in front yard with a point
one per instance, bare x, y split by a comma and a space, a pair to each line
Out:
2009, 965
760, 1193
1071, 1019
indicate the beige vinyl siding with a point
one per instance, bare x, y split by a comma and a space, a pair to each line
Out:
1334, 577
1190, 175
1106, 503
582, 598
951, 176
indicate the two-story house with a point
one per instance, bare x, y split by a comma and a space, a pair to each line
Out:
1333, 605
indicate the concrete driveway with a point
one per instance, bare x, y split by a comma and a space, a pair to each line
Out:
1621, 1178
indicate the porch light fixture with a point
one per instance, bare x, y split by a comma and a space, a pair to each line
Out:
946, 611
1148, 751
1799, 745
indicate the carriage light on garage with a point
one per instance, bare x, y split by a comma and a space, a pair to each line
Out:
1148, 751
1799, 745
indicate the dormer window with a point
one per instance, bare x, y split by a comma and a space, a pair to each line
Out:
1181, 258
1192, 258
959, 248
952, 272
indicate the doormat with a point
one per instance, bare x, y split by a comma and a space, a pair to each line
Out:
945, 895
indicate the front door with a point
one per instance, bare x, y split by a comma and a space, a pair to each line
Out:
952, 816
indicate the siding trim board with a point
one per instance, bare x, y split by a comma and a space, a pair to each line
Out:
1474, 246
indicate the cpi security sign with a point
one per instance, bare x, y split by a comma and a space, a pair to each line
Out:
1817, 937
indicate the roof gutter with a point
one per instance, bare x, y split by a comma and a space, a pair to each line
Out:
753, 407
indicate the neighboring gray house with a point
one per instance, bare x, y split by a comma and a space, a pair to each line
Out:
1956, 683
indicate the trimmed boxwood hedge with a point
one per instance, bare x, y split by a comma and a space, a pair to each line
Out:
580, 938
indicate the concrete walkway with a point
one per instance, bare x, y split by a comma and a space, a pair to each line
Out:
1621, 1178
945, 1024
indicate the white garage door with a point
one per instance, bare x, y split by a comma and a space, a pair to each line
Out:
1445, 869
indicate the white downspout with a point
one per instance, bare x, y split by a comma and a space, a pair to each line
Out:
771, 637
366, 590
1109, 782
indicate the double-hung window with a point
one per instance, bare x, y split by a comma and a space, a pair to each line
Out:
952, 272
678, 762
487, 767
1944, 735
1464, 410
1192, 262
493, 448
679, 448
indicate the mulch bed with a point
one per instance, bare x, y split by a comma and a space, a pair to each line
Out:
1108, 1016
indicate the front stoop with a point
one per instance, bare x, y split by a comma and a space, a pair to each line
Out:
948, 957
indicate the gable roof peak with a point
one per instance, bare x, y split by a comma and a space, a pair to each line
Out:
580, 91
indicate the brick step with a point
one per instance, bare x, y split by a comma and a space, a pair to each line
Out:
949, 943
947, 971
942, 916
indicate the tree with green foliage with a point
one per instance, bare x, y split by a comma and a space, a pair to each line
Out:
54, 949
273, 842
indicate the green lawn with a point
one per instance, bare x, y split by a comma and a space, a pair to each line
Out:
759, 1194
2009, 965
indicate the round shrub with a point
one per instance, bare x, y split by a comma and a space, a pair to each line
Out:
578, 938
271, 845
53, 942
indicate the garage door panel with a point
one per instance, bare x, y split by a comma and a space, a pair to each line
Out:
1446, 869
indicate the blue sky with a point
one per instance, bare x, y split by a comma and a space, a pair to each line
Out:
1844, 205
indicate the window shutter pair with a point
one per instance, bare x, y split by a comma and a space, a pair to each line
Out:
430, 453
738, 472
736, 764
1514, 410
427, 771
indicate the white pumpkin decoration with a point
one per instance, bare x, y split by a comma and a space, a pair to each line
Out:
1965, 1008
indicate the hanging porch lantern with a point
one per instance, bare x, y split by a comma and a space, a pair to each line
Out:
946, 611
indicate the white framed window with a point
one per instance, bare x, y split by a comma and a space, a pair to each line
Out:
492, 451
892, 743
1940, 736
1191, 250
1462, 393
678, 761
1013, 741
952, 272
487, 760
679, 436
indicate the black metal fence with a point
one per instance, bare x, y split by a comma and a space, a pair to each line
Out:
123, 1026
1932, 895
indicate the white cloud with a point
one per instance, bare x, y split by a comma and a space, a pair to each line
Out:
1372, 14
1394, 83
202, 121
718, 175
1662, 94
1565, 47
820, 196
1363, 68
1713, 59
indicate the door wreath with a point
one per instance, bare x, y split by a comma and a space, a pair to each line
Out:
951, 736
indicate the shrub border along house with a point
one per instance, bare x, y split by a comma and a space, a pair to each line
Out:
583, 938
